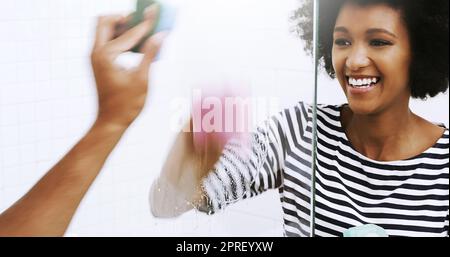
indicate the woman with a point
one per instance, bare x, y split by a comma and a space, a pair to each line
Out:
377, 161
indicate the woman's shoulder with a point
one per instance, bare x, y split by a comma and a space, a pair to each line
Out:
327, 109
303, 111
437, 129
302, 114
431, 135
329, 112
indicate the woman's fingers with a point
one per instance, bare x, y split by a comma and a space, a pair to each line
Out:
150, 49
123, 25
106, 29
132, 37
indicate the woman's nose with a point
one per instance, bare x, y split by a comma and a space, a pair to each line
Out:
357, 59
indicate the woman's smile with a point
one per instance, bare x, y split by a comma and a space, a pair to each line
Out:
361, 84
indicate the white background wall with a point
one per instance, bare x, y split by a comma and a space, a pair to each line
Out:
47, 102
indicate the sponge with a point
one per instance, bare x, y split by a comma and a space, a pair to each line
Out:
367, 230
165, 19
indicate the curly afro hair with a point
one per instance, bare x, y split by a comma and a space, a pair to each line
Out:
427, 25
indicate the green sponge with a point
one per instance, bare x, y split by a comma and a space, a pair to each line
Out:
138, 17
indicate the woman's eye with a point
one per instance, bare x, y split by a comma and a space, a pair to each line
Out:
379, 42
341, 42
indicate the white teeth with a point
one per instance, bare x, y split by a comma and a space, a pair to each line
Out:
362, 83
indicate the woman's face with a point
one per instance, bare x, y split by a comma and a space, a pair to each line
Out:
371, 57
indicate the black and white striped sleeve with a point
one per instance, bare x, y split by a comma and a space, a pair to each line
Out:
446, 224
247, 169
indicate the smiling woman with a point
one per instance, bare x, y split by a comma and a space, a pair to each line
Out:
381, 53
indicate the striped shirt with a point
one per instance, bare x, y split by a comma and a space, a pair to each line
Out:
406, 197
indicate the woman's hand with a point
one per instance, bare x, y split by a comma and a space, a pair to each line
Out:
122, 93
47, 209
